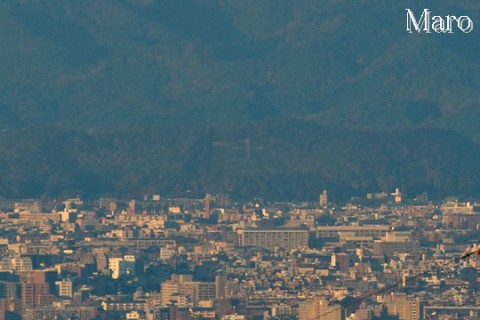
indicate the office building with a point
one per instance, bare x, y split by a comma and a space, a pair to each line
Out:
287, 238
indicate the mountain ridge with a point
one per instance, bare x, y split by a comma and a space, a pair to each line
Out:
127, 63
116, 72
278, 161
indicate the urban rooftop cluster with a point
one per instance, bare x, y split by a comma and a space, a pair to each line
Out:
376, 257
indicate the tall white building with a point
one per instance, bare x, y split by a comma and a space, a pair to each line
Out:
324, 199
16, 263
318, 308
182, 290
122, 266
167, 252
65, 287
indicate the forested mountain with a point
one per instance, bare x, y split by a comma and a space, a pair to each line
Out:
281, 160
126, 97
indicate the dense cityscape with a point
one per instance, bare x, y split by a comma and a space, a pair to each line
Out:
239, 160
376, 257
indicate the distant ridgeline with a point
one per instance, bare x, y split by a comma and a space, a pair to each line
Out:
280, 99
121, 64
276, 160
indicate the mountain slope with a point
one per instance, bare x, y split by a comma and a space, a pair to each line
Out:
113, 64
128, 97
281, 160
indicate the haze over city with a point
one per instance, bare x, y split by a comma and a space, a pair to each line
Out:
237, 160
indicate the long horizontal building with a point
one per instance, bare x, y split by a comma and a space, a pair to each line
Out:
287, 238
394, 243
68, 312
375, 231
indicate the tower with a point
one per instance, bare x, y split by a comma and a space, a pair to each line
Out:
397, 195
324, 199
207, 206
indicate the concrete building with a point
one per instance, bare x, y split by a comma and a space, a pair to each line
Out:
122, 266
407, 308
323, 199
9, 290
287, 238
35, 294
318, 308
183, 291
176, 290
17, 263
68, 312
394, 243
375, 231
64, 288
167, 252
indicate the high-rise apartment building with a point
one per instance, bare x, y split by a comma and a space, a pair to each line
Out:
318, 308
324, 199
122, 266
64, 288
407, 308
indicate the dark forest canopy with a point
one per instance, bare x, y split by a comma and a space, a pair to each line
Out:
276, 160
274, 98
